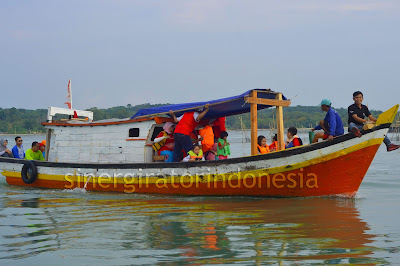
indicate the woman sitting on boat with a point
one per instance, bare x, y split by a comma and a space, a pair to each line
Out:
195, 154
293, 140
164, 142
262, 146
4, 151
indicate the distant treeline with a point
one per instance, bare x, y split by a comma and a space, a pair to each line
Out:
22, 121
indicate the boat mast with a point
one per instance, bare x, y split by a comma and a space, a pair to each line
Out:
278, 103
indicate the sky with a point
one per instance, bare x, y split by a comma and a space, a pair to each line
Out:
119, 52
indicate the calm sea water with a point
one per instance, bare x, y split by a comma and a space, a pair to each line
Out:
61, 227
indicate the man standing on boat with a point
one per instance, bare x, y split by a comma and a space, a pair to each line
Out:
186, 123
357, 113
332, 123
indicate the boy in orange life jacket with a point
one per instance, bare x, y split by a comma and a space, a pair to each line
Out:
262, 146
196, 154
186, 124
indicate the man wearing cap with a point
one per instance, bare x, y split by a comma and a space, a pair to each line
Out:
332, 123
357, 114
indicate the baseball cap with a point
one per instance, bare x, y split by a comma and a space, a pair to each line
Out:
326, 102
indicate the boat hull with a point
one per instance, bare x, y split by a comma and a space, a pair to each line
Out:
321, 169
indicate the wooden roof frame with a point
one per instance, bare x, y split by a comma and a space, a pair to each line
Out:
279, 103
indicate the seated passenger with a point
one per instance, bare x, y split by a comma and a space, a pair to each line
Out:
212, 154
293, 140
42, 148
262, 146
34, 153
332, 123
164, 142
18, 149
4, 151
274, 144
223, 149
357, 113
195, 154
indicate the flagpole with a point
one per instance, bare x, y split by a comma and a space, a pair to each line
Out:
70, 93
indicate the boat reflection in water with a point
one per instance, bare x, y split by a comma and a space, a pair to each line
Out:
152, 230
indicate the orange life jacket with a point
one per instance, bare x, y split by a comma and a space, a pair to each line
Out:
274, 145
263, 150
187, 124
208, 138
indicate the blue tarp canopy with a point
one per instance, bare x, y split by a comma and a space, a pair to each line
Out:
218, 108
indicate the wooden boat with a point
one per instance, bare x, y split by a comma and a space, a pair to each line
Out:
125, 163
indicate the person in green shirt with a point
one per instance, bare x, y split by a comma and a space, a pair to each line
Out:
34, 153
223, 149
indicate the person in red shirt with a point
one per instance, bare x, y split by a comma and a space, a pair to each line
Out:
218, 127
186, 124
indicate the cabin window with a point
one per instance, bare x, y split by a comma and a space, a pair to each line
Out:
156, 131
134, 132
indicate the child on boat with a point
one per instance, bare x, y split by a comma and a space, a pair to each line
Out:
223, 146
262, 146
212, 154
164, 142
274, 144
195, 154
293, 140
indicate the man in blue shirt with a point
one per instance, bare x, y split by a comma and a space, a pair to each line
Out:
18, 149
332, 123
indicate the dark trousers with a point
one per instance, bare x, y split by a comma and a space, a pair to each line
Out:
182, 142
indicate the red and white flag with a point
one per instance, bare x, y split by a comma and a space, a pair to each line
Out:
69, 96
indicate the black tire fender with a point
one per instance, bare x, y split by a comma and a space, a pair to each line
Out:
29, 172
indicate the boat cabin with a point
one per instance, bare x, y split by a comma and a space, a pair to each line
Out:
130, 140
